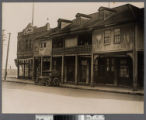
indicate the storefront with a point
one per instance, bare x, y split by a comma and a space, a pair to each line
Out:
24, 68
84, 72
113, 70
69, 65
41, 66
56, 64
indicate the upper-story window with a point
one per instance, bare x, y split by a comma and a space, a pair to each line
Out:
58, 43
26, 44
107, 37
43, 45
117, 38
30, 45
85, 39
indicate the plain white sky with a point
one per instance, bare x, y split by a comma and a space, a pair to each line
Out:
16, 16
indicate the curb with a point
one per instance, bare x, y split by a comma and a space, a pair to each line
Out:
18, 82
101, 90
83, 88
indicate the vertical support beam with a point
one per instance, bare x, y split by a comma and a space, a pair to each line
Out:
115, 78
51, 58
33, 69
41, 65
28, 69
92, 70
135, 70
62, 70
24, 69
76, 69
65, 71
115, 72
18, 70
135, 60
87, 75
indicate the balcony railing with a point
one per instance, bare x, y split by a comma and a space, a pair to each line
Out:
72, 50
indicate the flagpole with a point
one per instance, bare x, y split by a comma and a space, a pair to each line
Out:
33, 13
109, 4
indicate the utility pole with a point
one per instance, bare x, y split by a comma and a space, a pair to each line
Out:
7, 56
2, 44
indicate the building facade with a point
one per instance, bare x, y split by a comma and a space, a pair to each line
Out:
102, 48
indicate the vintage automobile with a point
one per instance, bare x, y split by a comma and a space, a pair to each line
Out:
49, 78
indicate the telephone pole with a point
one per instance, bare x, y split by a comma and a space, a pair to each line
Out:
2, 42
7, 56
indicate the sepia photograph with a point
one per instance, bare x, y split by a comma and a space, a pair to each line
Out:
73, 58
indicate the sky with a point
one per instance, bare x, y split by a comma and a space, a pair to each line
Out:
16, 16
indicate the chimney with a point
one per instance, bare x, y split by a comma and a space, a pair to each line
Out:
107, 9
48, 26
63, 23
83, 16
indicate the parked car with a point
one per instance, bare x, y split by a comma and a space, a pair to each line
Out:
49, 78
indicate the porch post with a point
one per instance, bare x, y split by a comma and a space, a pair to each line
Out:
18, 70
76, 69
87, 76
135, 70
115, 73
92, 70
135, 61
51, 63
28, 69
62, 70
33, 73
65, 71
41, 65
24, 69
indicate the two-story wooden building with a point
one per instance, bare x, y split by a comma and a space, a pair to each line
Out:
28, 47
102, 48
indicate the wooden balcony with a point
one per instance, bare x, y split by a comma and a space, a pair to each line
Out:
73, 50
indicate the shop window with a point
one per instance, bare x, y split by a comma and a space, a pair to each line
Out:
124, 71
107, 37
117, 39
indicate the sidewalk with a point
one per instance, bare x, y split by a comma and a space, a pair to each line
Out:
97, 88
106, 89
14, 79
